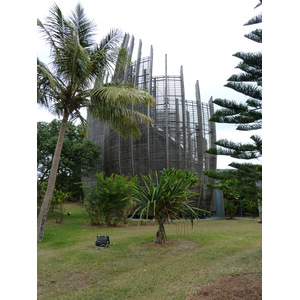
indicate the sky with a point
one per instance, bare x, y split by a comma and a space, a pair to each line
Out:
201, 36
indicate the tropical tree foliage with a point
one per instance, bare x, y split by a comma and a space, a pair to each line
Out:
68, 84
59, 198
108, 202
165, 197
246, 116
79, 156
240, 188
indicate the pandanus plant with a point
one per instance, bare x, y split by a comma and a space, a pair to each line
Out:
166, 197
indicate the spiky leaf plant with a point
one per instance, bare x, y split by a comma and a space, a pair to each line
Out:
166, 197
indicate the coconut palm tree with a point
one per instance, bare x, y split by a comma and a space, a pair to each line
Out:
165, 197
68, 84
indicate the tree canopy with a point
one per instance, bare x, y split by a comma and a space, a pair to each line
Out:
79, 156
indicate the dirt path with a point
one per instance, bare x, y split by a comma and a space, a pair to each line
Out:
244, 287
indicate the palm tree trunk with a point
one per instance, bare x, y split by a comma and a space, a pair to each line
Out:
52, 178
160, 234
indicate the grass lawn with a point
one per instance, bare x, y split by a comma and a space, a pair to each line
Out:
132, 267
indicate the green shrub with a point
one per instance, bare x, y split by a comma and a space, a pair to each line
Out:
166, 197
57, 206
108, 202
230, 208
41, 190
250, 206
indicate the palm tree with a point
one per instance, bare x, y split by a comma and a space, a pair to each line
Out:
76, 64
165, 198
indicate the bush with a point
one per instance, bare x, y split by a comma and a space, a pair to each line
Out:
166, 197
108, 202
57, 206
41, 190
250, 207
230, 208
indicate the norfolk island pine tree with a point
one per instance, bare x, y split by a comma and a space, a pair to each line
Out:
247, 117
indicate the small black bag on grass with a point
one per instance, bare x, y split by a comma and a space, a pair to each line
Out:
102, 241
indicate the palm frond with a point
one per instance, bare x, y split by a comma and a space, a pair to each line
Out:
48, 85
47, 34
73, 65
106, 53
111, 103
83, 27
123, 120
122, 94
55, 29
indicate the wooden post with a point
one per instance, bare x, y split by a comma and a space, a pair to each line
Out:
132, 107
178, 133
167, 111
199, 141
148, 108
183, 118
